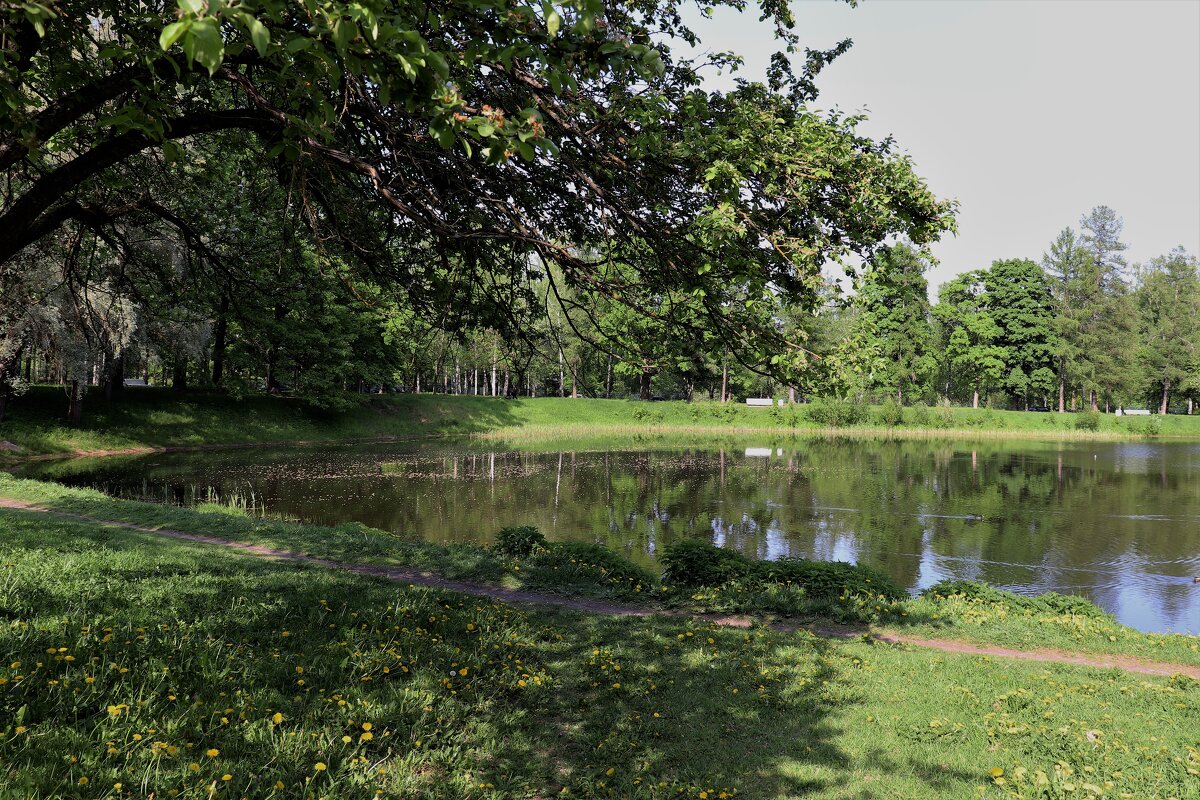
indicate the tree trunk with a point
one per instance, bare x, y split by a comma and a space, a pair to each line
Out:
1062, 394
724, 381
608, 378
975, 398
562, 379
114, 378
644, 388
792, 395
220, 332
1166, 396
1189, 406
75, 409
1095, 406
179, 373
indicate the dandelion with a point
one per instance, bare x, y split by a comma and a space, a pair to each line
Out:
226, 777
193, 767
21, 729
277, 718
320, 766
366, 726
83, 781
212, 752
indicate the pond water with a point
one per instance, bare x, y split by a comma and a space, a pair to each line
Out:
1116, 522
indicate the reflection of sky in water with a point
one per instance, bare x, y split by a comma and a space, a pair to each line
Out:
1119, 523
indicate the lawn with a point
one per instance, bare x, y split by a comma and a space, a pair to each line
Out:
139, 666
146, 418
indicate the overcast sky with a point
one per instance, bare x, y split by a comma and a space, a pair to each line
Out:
1029, 112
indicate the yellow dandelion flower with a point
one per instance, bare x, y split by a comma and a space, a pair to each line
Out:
277, 718
367, 726
226, 777
279, 785
320, 766
366, 737
212, 752
193, 767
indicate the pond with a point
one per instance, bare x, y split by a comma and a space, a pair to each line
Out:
1118, 523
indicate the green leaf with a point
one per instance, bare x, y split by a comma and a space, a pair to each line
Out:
298, 44
207, 45
526, 150
172, 32
553, 23
193, 7
172, 152
485, 129
259, 35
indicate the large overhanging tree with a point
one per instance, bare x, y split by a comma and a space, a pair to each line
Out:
442, 148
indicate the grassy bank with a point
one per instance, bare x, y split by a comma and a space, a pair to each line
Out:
157, 418
588, 570
138, 666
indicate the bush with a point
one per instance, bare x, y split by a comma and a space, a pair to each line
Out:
921, 417
695, 563
520, 540
889, 414
1051, 602
834, 412
828, 580
590, 560
1088, 421
1153, 426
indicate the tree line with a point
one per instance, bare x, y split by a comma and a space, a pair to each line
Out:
503, 200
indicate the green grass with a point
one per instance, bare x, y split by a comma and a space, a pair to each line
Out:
155, 418
129, 658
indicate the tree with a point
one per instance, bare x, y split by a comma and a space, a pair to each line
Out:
1021, 303
434, 150
970, 334
893, 297
1169, 301
1070, 268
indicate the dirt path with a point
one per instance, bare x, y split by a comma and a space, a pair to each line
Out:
422, 578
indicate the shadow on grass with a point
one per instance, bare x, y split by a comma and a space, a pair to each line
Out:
159, 417
197, 649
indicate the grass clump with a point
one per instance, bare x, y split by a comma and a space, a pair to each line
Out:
520, 540
1050, 602
586, 568
833, 412
724, 580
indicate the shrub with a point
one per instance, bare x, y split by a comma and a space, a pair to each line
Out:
695, 563
1087, 421
834, 412
921, 417
520, 540
1051, 602
591, 561
1153, 426
691, 562
889, 414
828, 580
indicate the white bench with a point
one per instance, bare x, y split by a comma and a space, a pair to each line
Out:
1133, 412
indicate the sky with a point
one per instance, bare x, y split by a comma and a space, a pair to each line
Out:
1028, 112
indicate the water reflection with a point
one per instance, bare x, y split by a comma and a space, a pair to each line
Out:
1117, 522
